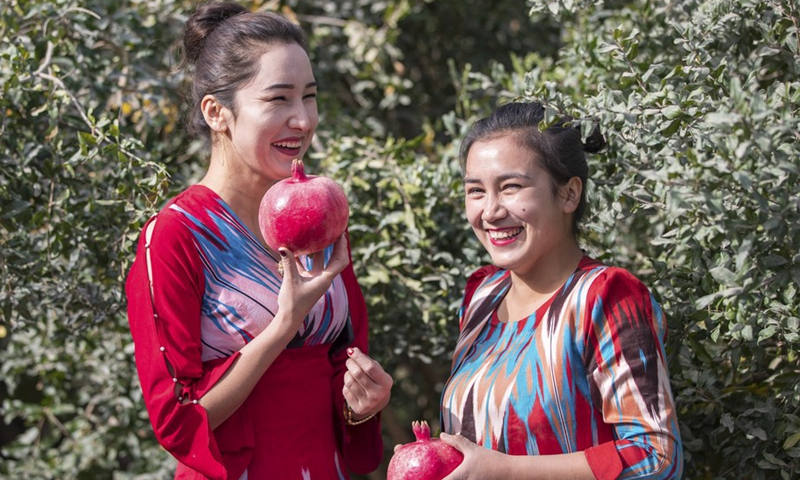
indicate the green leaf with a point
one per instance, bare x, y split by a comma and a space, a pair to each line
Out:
671, 112
723, 276
791, 441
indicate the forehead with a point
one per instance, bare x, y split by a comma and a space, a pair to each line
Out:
283, 63
500, 154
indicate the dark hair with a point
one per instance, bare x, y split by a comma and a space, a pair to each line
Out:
559, 147
223, 42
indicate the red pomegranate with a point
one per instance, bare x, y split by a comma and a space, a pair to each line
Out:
426, 459
304, 213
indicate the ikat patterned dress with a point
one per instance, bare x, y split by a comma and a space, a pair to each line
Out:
585, 372
201, 288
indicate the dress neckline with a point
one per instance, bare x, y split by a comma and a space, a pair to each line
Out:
204, 190
495, 320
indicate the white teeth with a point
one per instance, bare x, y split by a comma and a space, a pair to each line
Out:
505, 234
287, 144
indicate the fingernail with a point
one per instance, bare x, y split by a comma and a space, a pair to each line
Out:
282, 252
350, 352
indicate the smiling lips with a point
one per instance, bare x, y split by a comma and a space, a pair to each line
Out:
500, 237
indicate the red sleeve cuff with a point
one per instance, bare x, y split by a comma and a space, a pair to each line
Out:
604, 461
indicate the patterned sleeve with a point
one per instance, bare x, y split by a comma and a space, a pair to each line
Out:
362, 445
626, 365
164, 291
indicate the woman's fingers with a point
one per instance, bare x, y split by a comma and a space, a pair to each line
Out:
339, 257
366, 371
288, 264
464, 446
300, 288
458, 442
367, 387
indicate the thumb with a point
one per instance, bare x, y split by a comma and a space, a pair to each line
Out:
456, 441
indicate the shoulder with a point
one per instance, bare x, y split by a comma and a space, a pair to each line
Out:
484, 288
181, 219
166, 236
615, 297
481, 276
607, 280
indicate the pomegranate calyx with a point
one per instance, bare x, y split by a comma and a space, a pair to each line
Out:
421, 430
298, 171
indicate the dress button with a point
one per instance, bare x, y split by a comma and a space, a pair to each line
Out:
162, 349
194, 401
174, 380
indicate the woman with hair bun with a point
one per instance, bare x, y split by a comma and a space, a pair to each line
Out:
559, 371
251, 367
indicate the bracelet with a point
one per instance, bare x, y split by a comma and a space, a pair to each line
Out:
348, 416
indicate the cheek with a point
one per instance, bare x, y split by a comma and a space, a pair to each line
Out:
313, 116
473, 212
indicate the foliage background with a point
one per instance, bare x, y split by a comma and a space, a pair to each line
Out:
697, 194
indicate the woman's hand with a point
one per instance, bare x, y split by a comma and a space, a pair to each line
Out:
479, 463
301, 289
367, 388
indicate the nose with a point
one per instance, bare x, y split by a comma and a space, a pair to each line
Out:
493, 209
303, 118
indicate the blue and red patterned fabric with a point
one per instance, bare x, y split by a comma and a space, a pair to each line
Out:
585, 372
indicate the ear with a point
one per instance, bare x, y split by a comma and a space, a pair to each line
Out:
571, 194
215, 114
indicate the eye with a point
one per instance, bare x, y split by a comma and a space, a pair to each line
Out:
310, 95
511, 186
279, 98
474, 191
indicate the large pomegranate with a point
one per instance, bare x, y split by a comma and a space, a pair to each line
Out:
304, 213
426, 459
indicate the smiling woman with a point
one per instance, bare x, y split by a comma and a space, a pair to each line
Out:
247, 373
559, 370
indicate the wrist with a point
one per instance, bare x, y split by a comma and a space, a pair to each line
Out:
353, 418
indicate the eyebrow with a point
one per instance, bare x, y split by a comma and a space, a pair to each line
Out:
501, 178
287, 86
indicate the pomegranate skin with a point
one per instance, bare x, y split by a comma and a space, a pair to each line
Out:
425, 459
304, 213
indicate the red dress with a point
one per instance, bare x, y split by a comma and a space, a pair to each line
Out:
201, 288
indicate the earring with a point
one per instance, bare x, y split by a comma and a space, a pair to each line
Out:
224, 150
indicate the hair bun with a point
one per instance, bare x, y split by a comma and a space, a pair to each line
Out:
595, 142
202, 23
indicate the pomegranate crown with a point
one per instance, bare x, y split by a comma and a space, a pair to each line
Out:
421, 430
298, 171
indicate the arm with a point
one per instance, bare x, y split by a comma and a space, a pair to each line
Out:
164, 321
626, 365
298, 294
485, 464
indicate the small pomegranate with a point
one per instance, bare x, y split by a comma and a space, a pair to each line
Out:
304, 213
426, 459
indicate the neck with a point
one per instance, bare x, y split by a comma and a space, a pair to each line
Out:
531, 290
240, 191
